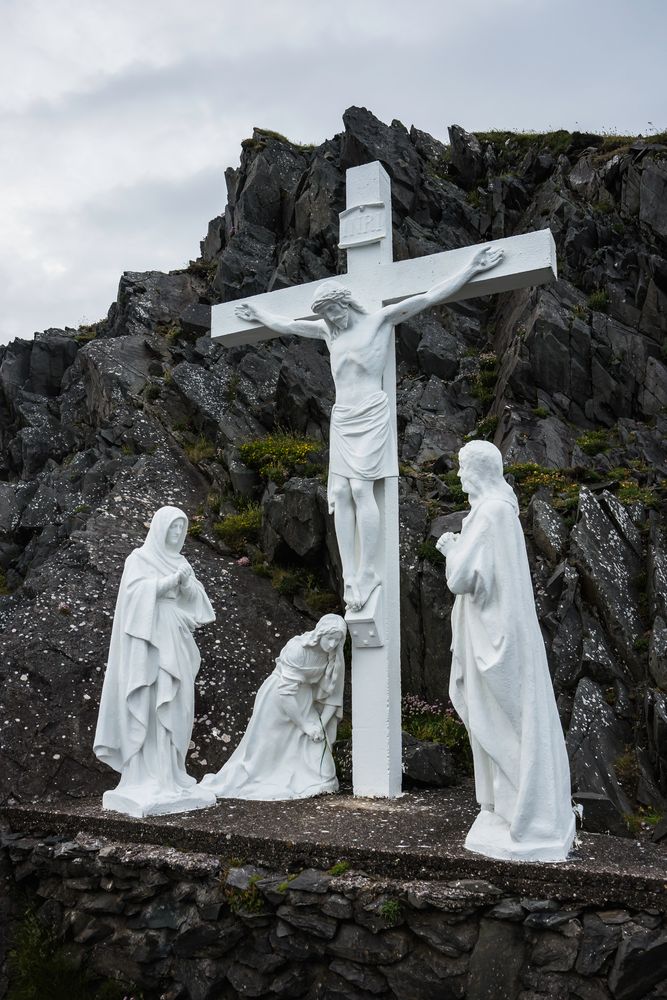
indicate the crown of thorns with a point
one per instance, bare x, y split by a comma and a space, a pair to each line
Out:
330, 292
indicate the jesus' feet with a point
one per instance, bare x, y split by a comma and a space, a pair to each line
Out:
363, 586
350, 596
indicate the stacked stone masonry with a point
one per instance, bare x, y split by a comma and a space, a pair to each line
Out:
184, 926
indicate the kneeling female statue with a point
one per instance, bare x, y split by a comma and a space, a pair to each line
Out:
285, 752
500, 683
147, 707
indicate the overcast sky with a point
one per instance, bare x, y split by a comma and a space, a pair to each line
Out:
118, 117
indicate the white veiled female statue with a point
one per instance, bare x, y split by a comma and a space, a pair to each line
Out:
147, 706
500, 683
285, 752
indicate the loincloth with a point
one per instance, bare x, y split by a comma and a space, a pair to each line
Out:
362, 441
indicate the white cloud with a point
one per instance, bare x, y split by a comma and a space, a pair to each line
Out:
118, 119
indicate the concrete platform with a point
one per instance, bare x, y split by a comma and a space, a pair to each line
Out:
418, 836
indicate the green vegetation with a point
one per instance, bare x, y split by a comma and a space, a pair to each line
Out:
232, 388
392, 911
245, 900
321, 601
284, 886
453, 484
182, 424
427, 550
339, 868
200, 450
205, 269
598, 300
437, 724
594, 442
40, 968
530, 477
613, 144
611, 695
643, 820
540, 412
89, 331
287, 582
261, 136
580, 311
629, 492
633, 822
484, 430
170, 331
626, 767
278, 456
4, 589
239, 530
484, 384
344, 731
557, 142
652, 817
118, 991
310, 587
565, 484
152, 391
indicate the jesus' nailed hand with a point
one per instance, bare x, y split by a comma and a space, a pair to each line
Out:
362, 447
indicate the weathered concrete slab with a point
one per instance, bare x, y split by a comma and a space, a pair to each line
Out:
415, 836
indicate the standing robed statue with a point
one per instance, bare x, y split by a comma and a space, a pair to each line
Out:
147, 707
500, 683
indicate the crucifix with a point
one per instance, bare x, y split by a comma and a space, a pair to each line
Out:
355, 314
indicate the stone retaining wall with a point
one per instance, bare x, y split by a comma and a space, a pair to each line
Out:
181, 926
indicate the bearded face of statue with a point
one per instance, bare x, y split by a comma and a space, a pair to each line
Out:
336, 313
471, 481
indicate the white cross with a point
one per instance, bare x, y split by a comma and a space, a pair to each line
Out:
376, 280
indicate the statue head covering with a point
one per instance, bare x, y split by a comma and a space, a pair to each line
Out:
164, 557
330, 291
486, 463
333, 291
331, 685
325, 626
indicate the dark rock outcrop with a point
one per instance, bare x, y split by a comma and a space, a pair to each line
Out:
100, 425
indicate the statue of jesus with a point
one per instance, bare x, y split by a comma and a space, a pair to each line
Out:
362, 445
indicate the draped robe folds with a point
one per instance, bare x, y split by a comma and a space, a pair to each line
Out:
147, 706
362, 442
275, 758
501, 688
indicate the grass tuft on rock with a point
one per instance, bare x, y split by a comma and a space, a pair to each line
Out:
240, 530
437, 724
594, 442
279, 456
201, 450
41, 969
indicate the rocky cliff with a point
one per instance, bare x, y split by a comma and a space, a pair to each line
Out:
100, 425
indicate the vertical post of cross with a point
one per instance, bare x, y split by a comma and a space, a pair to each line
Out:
366, 234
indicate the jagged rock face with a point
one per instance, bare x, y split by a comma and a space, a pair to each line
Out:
100, 426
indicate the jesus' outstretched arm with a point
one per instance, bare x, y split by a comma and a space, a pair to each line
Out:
483, 260
315, 329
